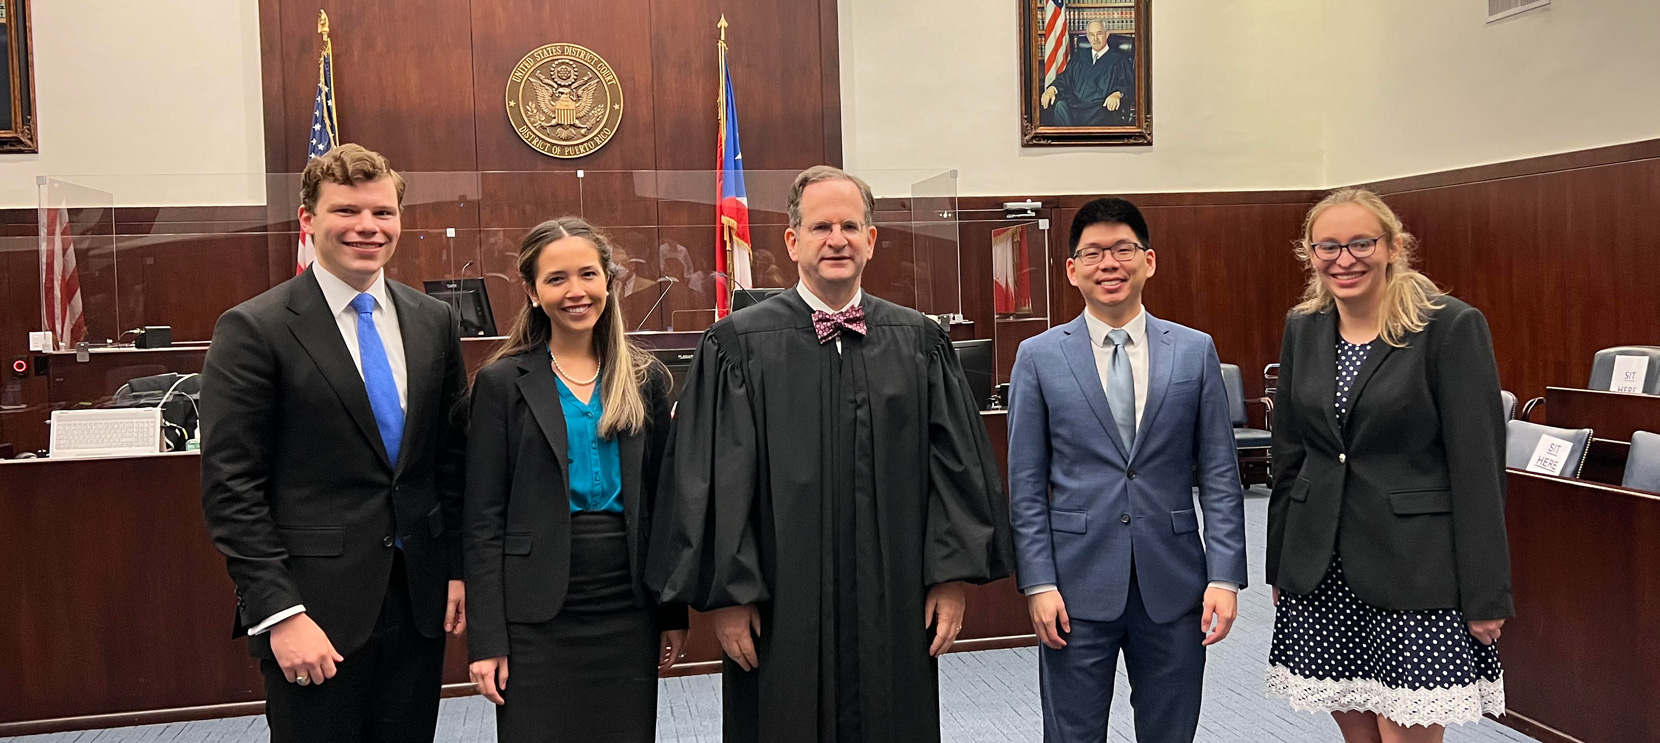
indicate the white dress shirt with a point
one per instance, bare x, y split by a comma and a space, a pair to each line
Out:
819, 305
1136, 348
339, 296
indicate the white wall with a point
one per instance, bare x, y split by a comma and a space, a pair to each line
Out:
1431, 86
935, 84
161, 86
1264, 94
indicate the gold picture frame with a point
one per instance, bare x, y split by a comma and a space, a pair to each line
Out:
1102, 94
17, 119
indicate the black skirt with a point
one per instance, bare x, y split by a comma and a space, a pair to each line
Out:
1333, 652
590, 673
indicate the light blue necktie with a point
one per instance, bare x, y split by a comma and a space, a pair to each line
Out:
1121, 387
377, 377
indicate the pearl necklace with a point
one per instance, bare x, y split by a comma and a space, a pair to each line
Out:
573, 380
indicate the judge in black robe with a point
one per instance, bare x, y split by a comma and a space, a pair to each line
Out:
1080, 91
833, 486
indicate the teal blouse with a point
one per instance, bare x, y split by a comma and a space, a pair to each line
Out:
596, 463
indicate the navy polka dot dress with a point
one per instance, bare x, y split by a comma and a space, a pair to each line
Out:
1333, 652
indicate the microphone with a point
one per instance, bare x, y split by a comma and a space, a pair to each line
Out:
464, 267
665, 281
731, 278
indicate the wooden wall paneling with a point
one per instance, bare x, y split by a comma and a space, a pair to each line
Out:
19, 315
830, 89
403, 72
892, 271
518, 201
163, 281
1541, 256
622, 33
776, 57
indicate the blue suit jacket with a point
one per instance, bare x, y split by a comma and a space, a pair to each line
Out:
1082, 504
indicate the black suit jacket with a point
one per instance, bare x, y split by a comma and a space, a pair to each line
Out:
296, 487
1413, 481
518, 512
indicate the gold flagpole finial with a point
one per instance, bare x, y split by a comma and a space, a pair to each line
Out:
722, 27
322, 22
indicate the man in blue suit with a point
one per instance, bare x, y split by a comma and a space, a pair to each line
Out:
1109, 416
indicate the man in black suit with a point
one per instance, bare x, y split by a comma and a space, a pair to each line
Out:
333, 448
1095, 89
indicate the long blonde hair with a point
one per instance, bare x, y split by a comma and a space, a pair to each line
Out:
626, 367
1408, 296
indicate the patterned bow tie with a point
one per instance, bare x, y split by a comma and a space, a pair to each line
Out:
831, 324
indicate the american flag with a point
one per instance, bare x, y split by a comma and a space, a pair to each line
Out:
325, 129
732, 211
60, 282
1057, 48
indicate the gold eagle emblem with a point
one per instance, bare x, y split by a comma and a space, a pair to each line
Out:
564, 100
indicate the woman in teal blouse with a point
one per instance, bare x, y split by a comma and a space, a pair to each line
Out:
569, 421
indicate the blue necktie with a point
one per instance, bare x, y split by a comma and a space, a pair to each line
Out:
1121, 387
377, 377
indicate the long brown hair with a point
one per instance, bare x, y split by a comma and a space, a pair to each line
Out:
625, 366
1408, 296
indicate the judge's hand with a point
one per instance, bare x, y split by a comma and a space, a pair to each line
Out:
737, 627
455, 611
669, 648
490, 677
1221, 605
303, 650
1114, 101
1049, 94
1487, 630
1275, 590
944, 610
1048, 610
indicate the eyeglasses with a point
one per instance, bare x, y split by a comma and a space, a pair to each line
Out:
1120, 252
823, 230
1358, 247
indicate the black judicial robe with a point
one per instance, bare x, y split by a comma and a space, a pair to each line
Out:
831, 489
1082, 89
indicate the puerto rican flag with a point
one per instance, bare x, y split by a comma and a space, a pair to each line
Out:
732, 211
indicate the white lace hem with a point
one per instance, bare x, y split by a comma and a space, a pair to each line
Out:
1446, 706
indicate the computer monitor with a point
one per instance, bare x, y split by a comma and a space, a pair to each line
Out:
679, 362
746, 297
976, 357
470, 300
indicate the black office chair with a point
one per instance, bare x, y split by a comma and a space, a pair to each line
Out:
1642, 465
1602, 367
1253, 443
1508, 400
1522, 438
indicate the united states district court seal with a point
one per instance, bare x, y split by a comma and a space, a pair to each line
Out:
564, 100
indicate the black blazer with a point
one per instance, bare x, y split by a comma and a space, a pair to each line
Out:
518, 513
1414, 480
297, 491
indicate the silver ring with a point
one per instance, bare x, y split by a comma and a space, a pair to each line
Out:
302, 680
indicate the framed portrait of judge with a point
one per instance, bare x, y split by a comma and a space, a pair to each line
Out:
17, 102
1085, 72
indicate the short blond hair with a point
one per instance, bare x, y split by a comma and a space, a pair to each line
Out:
1409, 296
345, 165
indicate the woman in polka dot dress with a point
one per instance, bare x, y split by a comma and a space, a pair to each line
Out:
1386, 540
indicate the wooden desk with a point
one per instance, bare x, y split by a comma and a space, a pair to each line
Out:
117, 610
1611, 416
1580, 655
